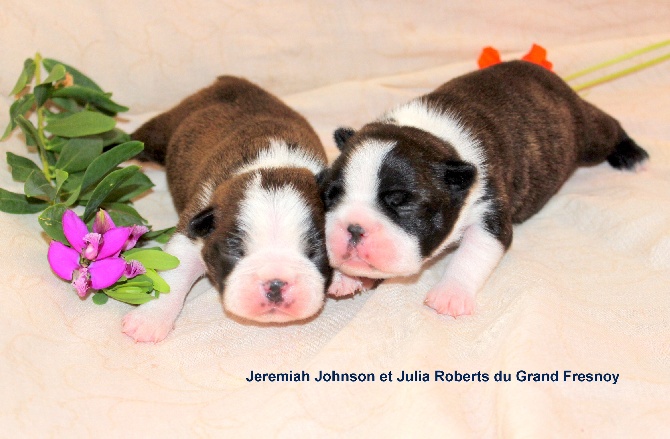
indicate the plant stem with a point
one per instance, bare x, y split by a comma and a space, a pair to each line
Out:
41, 144
620, 73
616, 60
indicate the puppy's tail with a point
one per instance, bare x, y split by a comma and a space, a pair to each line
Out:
156, 135
627, 154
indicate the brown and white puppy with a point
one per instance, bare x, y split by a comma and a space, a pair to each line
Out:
241, 169
460, 165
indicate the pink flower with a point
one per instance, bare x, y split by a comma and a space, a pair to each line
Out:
94, 257
136, 232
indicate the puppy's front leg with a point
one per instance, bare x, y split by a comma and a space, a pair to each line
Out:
153, 320
345, 285
470, 266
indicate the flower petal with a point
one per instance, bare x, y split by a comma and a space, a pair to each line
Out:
136, 231
74, 229
113, 241
538, 55
103, 222
63, 259
488, 57
134, 268
82, 283
104, 273
92, 241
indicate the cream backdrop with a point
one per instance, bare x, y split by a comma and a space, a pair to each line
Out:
585, 286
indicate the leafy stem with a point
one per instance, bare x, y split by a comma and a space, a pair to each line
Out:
40, 122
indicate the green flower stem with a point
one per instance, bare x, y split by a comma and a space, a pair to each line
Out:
40, 122
616, 60
620, 73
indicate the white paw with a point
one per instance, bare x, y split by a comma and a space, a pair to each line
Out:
343, 285
453, 301
148, 325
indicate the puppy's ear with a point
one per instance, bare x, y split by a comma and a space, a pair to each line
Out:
202, 224
459, 175
341, 135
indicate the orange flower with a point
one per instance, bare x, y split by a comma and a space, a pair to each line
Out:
489, 57
538, 55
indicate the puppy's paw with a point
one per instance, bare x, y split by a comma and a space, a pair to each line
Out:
147, 325
343, 285
452, 301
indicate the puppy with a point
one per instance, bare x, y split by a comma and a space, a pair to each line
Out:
241, 169
460, 165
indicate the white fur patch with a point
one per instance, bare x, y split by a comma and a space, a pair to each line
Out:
449, 128
277, 218
279, 155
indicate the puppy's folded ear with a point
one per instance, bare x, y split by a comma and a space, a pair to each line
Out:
202, 224
458, 175
341, 135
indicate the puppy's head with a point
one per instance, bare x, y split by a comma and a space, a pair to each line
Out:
264, 245
392, 198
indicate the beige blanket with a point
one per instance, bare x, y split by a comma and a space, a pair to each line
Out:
584, 288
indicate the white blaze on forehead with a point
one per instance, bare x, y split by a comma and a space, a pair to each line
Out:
280, 155
361, 181
276, 218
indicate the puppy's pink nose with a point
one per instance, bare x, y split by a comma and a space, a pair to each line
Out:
274, 289
356, 232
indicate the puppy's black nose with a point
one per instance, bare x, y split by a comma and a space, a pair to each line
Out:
356, 232
274, 290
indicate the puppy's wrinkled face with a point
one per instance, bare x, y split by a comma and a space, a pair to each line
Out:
264, 245
391, 198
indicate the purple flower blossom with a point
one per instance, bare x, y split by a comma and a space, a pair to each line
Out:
136, 232
94, 257
134, 268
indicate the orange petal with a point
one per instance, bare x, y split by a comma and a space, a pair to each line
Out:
538, 55
489, 57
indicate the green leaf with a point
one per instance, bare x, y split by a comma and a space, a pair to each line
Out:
110, 160
56, 144
131, 295
131, 188
37, 186
123, 214
21, 166
106, 187
141, 281
77, 154
159, 283
19, 108
161, 236
66, 104
153, 258
56, 73
84, 95
113, 137
11, 202
51, 221
100, 298
42, 93
61, 177
78, 77
25, 77
32, 138
80, 124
